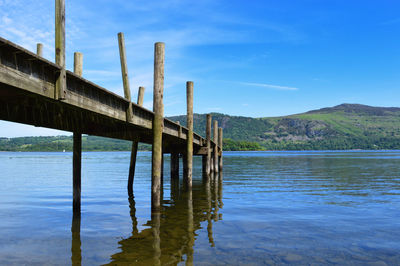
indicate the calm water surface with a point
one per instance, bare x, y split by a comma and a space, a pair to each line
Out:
303, 208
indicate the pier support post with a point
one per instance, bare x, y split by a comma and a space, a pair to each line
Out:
220, 146
78, 62
158, 125
61, 84
125, 77
134, 150
216, 146
189, 139
76, 162
208, 139
39, 49
77, 149
162, 176
174, 166
184, 165
204, 166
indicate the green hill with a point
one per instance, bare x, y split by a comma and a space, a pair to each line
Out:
346, 126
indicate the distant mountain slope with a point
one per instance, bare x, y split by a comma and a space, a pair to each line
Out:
346, 126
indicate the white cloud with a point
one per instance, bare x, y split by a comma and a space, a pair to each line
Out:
269, 86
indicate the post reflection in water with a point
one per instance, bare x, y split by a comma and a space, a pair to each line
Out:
170, 236
209, 209
76, 253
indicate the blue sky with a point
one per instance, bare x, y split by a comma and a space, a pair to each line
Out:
249, 58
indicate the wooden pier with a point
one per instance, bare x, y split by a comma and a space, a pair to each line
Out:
38, 92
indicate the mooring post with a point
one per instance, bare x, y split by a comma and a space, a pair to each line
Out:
174, 166
125, 77
61, 84
220, 146
208, 139
77, 148
39, 49
162, 176
216, 146
78, 62
204, 166
134, 150
184, 165
158, 125
189, 139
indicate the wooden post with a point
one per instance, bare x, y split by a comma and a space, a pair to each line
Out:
204, 166
180, 129
78, 61
174, 166
220, 146
189, 140
158, 125
77, 156
208, 139
162, 176
216, 146
39, 49
184, 165
61, 85
125, 77
134, 150
140, 96
77, 149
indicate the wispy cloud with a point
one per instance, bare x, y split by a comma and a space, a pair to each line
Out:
269, 86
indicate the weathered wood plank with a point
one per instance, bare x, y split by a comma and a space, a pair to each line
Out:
18, 79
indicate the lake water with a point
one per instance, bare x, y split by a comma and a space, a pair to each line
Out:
302, 208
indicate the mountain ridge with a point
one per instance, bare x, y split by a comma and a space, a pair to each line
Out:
344, 126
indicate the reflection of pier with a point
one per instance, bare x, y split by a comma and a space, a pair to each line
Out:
170, 236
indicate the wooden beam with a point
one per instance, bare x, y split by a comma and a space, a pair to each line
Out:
77, 149
39, 49
216, 146
61, 85
189, 139
158, 125
78, 62
220, 146
77, 158
134, 150
125, 77
174, 165
208, 140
